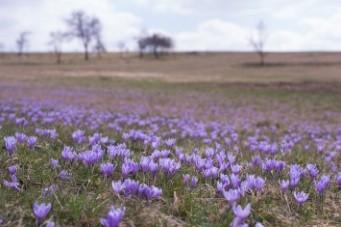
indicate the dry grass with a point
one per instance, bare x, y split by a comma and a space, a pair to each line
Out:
195, 67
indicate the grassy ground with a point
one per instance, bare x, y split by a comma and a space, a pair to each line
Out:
227, 88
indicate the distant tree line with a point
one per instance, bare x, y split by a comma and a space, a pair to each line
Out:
87, 30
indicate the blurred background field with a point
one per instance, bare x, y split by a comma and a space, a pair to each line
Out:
307, 83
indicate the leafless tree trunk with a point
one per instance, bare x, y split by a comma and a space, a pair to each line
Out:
56, 40
22, 42
99, 47
86, 51
258, 42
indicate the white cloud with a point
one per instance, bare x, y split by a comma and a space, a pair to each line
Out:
175, 6
213, 34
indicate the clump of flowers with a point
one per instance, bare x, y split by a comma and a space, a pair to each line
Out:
130, 188
190, 181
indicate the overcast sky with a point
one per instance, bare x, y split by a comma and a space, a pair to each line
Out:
194, 24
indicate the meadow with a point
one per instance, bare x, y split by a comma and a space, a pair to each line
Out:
196, 139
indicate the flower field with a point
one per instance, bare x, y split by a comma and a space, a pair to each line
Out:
191, 161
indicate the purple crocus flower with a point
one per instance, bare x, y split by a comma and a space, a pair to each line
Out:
64, 175
190, 181
89, 158
31, 141
129, 167
232, 195
149, 193
170, 142
21, 137
322, 184
131, 187
107, 169
301, 197
40, 211
256, 161
284, 185
50, 224
95, 138
235, 180
54, 163
240, 215
211, 172
104, 140
119, 150
78, 136
21, 121
113, 218
312, 169
12, 169
169, 166
273, 165
68, 154
118, 187
236, 168
209, 152
221, 186
295, 174
13, 184
147, 164
10, 144
231, 158
225, 179
52, 133
257, 182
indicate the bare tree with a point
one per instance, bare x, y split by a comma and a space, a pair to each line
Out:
258, 42
22, 42
85, 28
56, 41
155, 43
99, 47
